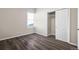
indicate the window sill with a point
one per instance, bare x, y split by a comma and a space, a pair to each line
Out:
30, 26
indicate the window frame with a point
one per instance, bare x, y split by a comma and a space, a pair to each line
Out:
30, 16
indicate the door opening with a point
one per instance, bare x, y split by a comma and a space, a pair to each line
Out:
51, 23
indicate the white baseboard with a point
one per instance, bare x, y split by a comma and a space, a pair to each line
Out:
72, 44
41, 34
14, 36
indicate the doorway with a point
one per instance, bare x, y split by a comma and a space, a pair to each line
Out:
51, 23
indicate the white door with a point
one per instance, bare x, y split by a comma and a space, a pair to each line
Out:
78, 29
78, 38
62, 25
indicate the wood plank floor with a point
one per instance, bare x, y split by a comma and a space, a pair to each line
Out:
35, 42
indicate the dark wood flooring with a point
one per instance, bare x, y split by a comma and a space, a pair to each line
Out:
35, 42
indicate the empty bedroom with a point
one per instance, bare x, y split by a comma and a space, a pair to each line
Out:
38, 28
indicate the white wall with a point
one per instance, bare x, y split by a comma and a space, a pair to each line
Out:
13, 23
41, 20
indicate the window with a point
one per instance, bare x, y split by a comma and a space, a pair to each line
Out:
30, 19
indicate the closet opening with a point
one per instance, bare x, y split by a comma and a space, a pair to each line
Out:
51, 24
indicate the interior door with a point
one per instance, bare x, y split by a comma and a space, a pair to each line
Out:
62, 24
78, 28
